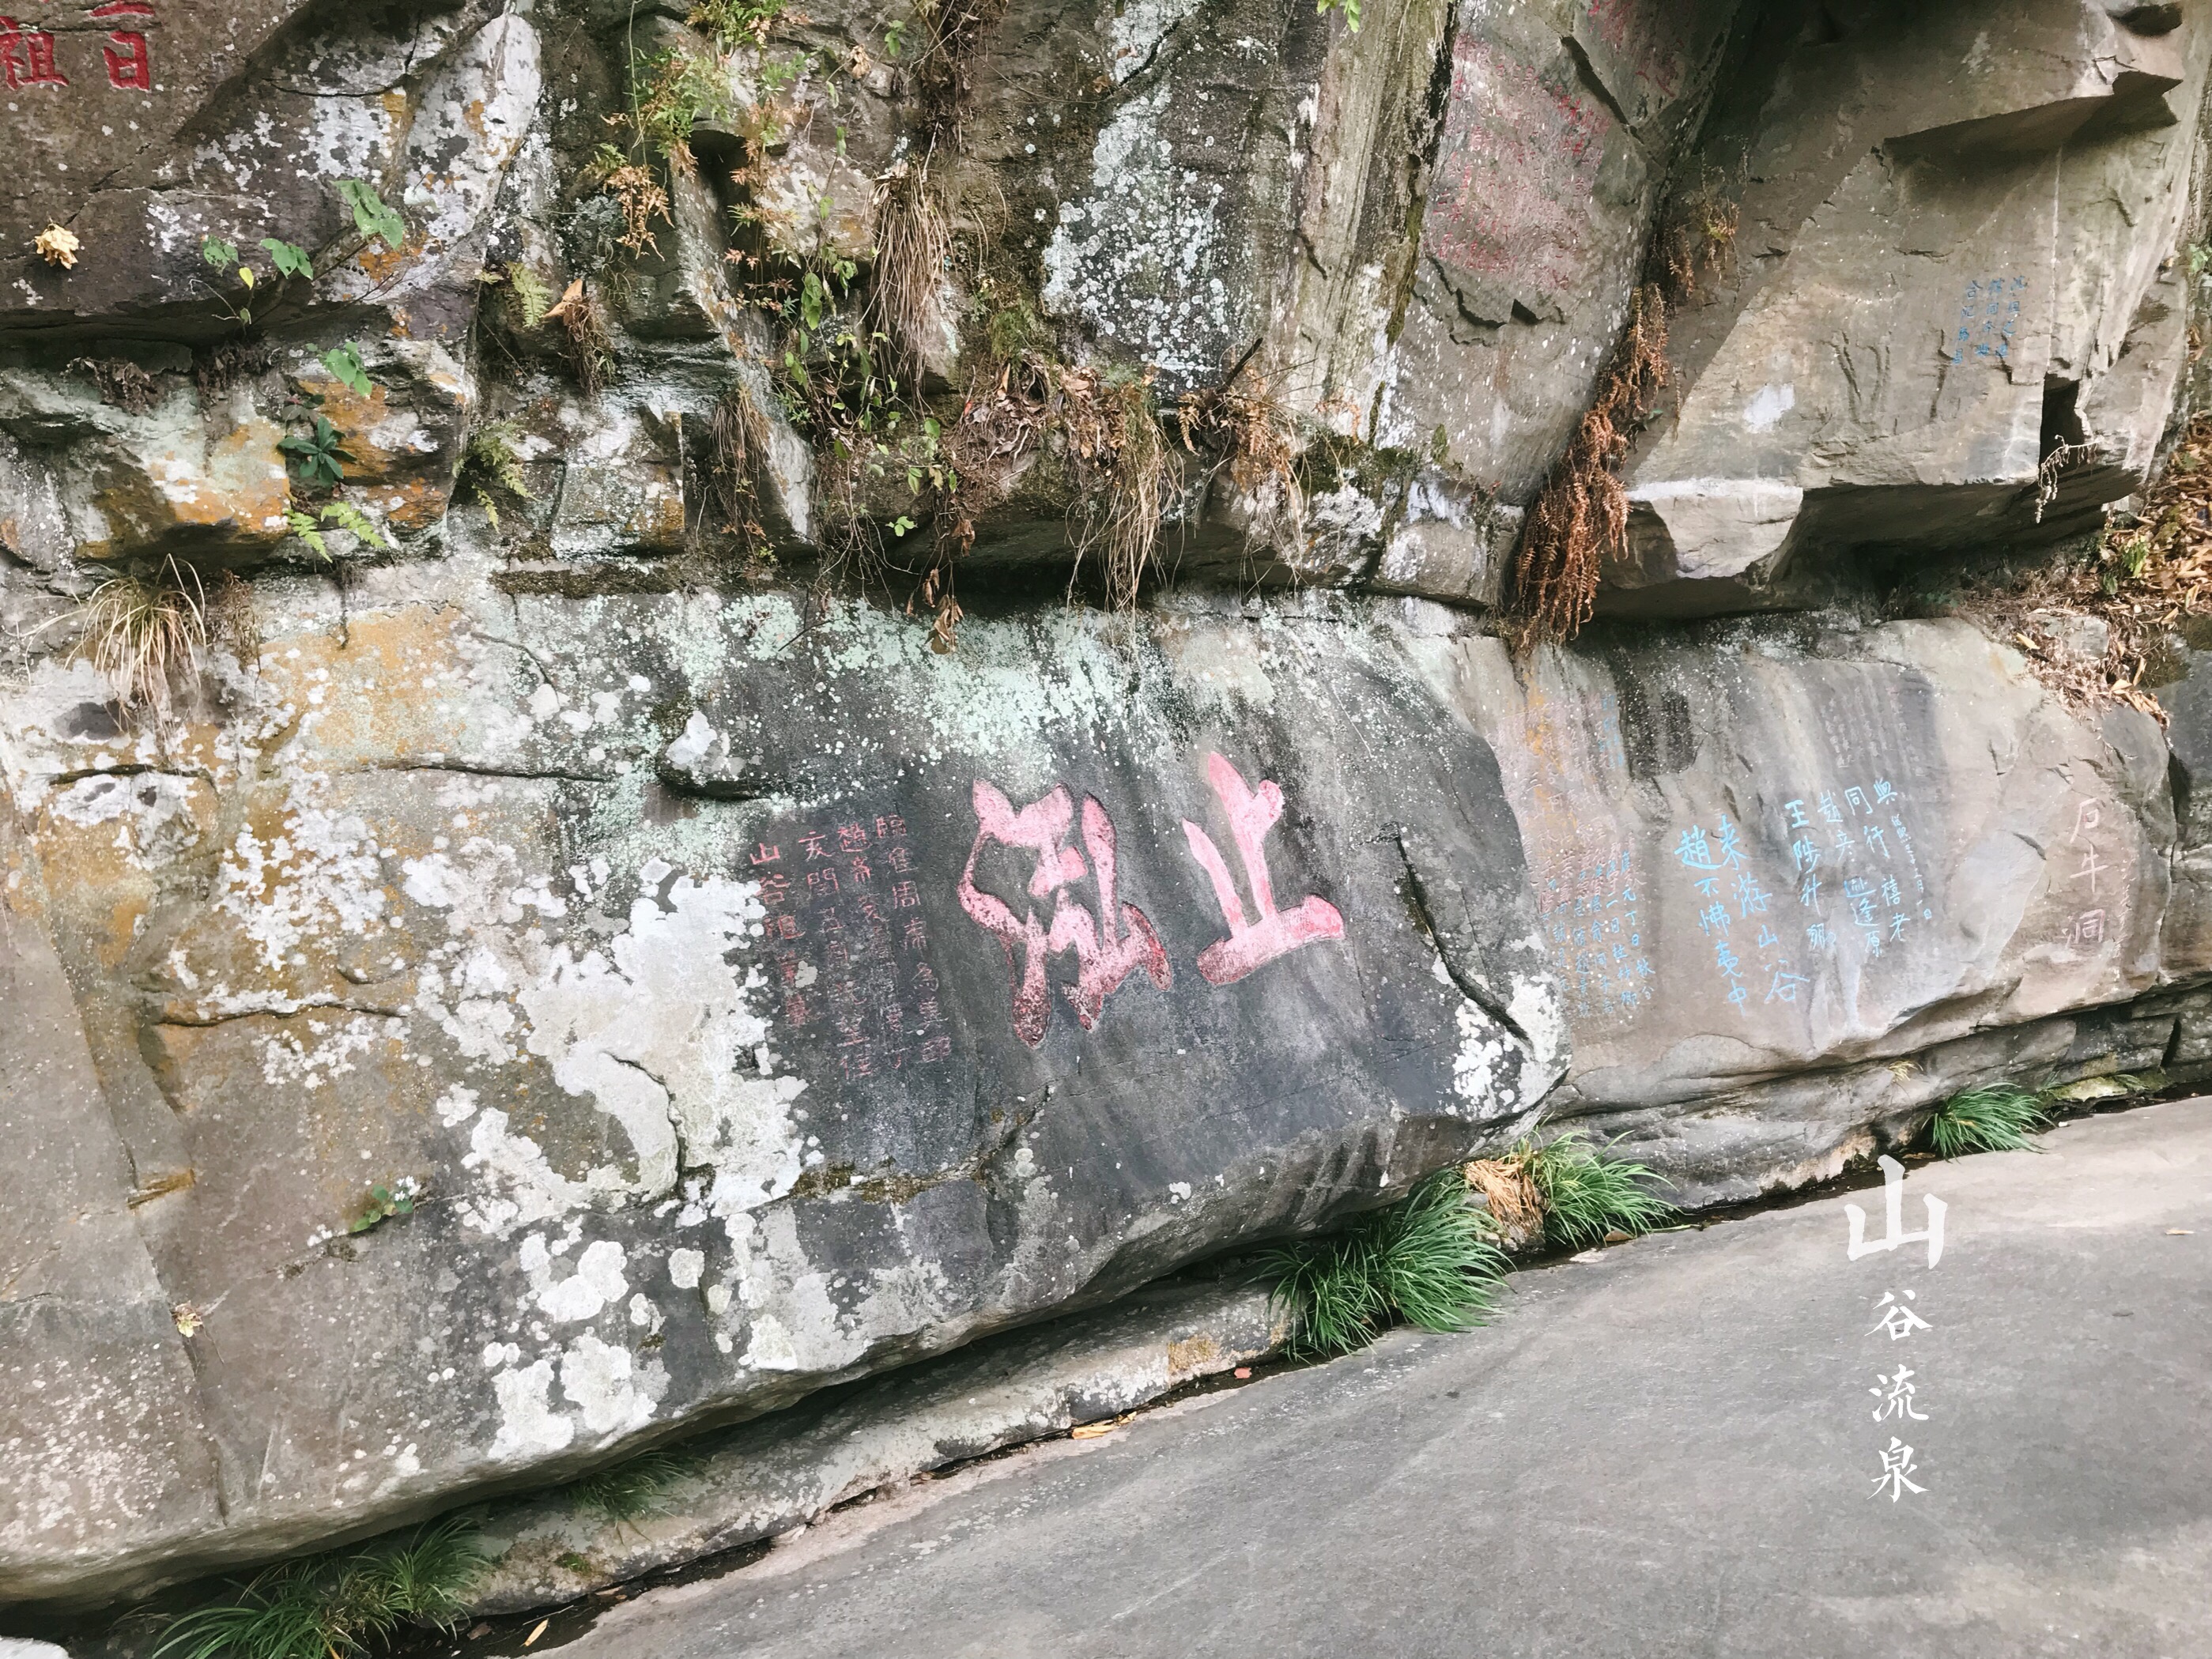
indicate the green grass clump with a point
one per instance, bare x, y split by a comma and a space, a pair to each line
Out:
1425, 1261
1998, 1119
338, 1605
1587, 1195
630, 1490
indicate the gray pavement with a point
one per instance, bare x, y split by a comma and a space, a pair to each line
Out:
1670, 1451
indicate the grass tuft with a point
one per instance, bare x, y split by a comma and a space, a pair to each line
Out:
1998, 1119
1127, 471
338, 1605
140, 629
630, 1490
906, 304
1425, 1261
1587, 1195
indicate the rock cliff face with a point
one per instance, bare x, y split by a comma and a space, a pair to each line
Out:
579, 935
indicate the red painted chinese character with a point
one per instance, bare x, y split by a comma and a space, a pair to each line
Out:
131, 69
1252, 813
764, 853
824, 880
889, 825
903, 895
898, 858
26, 57
774, 889
868, 911
861, 872
795, 1010
938, 1047
783, 927
852, 838
1104, 954
814, 847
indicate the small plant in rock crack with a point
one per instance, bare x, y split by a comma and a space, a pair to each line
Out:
140, 629
285, 259
2001, 1118
334, 515
493, 461
316, 456
385, 1203
346, 1604
1587, 1196
630, 1490
1425, 1261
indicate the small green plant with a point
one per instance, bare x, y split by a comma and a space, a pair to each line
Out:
340, 1605
1425, 1261
385, 1203
532, 297
669, 95
1587, 1195
1350, 8
286, 259
494, 462
735, 23
371, 217
344, 364
334, 515
630, 1490
2001, 1118
319, 455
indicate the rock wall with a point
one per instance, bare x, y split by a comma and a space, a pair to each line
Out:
594, 944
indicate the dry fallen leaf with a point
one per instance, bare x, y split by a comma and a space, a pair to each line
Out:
188, 1319
571, 297
2180, 1233
57, 247
535, 1634
1091, 1430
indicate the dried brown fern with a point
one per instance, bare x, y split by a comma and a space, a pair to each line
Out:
1581, 518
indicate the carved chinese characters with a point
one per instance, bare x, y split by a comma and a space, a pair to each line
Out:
1110, 937
28, 59
847, 945
1252, 813
1107, 944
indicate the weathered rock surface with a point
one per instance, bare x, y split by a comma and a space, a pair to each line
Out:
592, 969
766, 1479
1955, 246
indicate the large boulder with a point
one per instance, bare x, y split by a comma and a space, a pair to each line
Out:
502, 1106
1933, 278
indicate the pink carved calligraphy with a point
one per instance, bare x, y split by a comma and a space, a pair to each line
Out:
1104, 952
1252, 944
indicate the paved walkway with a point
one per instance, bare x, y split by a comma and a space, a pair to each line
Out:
1670, 1450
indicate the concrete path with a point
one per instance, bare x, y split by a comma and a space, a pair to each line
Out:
1670, 1450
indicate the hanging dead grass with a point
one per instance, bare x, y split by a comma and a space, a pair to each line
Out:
906, 301
589, 347
739, 436
1580, 519
1127, 471
1509, 1192
140, 630
233, 621
1250, 432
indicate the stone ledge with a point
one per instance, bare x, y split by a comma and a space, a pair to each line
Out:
779, 1472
